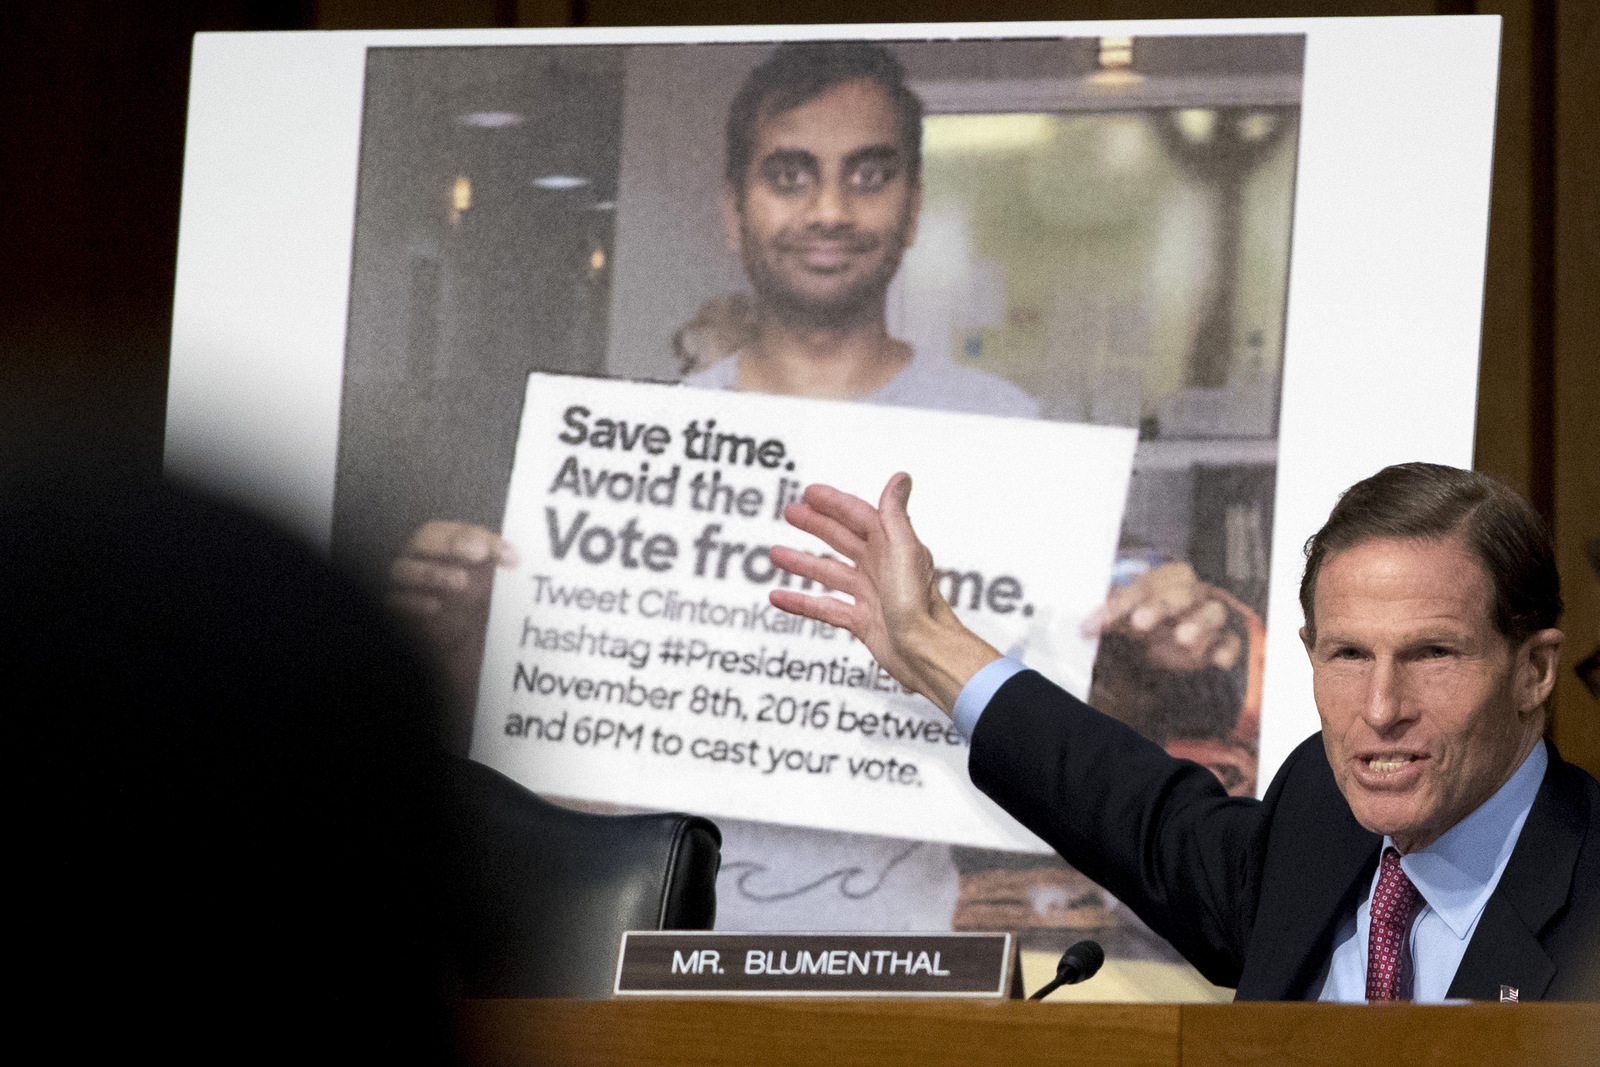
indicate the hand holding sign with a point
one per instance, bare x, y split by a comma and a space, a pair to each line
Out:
898, 612
1181, 621
441, 582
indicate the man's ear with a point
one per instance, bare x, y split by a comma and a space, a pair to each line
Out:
1305, 639
1537, 660
730, 219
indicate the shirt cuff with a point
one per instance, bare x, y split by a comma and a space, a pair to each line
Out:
979, 690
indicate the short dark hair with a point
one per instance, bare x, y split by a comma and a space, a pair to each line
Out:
1429, 501
800, 71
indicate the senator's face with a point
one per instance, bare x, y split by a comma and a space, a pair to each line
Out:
827, 207
1426, 709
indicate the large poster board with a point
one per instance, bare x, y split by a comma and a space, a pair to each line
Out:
1251, 243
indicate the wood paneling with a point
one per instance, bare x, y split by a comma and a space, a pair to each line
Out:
412, 14
1402, 1035
513, 1033
661, 1033
1504, 445
1576, 384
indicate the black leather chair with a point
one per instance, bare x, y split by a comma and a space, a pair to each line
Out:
543, 893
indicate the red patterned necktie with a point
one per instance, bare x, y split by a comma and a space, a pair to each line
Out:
1395, 903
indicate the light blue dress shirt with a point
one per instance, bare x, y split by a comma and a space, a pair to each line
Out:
979, 690
1455, 875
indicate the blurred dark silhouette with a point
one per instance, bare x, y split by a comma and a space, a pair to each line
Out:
226, 789
236, 832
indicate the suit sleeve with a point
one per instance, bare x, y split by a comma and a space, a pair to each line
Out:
1158, 832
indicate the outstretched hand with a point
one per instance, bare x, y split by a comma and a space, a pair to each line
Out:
898, 611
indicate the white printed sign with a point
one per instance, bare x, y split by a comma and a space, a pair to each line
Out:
632, 656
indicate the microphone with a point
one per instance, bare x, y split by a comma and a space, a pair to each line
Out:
1078, 963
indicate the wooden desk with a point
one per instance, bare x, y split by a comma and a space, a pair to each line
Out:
521, 1033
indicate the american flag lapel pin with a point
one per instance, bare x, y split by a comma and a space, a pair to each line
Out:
1508, 994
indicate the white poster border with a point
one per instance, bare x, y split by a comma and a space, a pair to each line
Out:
1385, 293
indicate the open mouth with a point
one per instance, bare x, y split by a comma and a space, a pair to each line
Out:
1389, 770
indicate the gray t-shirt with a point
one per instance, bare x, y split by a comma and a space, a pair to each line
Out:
795, 878
932, 382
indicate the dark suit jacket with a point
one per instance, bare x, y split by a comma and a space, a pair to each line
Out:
1253, 892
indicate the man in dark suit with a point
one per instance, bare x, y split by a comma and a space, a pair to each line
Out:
1428, 844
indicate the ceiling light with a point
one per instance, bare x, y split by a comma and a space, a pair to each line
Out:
557, 182
1116, 71
491, 120
1256, 126
1196, 123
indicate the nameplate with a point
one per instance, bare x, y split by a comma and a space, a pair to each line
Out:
704, 963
